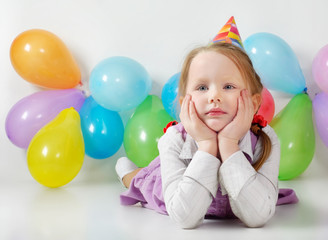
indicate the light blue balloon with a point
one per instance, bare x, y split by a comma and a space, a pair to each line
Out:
119, 83
275, 62
102, 130
169, 96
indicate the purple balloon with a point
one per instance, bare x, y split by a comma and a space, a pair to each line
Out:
320, 105
31, 113
320, 68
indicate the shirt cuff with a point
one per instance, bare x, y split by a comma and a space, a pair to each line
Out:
204, 168
234, 174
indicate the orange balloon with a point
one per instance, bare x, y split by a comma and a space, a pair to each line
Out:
40, 57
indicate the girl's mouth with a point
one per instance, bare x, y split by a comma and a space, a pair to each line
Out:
215, 112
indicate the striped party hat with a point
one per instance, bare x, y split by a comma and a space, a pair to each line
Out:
229, 34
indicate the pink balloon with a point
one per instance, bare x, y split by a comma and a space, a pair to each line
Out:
320, 68
31, 113
267, 106
320, 103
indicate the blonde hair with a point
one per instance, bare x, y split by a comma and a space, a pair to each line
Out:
240, 58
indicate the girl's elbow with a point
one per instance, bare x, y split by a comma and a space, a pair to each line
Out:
258, 221
188, 224
184, 219
255, 223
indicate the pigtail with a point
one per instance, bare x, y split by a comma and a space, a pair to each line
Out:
266, 149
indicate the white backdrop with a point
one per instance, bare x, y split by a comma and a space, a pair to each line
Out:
158, 34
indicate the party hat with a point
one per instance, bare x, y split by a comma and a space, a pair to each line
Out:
229, 34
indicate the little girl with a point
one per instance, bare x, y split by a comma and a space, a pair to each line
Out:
220, 161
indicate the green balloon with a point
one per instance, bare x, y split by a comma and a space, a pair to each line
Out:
144, 129
294, 127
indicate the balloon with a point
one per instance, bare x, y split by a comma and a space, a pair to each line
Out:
119, 83
275, 62
40, 57
55, 154
320, 68
267, 107
320, 103
169, 95
31, 113
144, 129
102, 130
294, 127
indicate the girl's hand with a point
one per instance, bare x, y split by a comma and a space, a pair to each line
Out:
205, 137
230, 135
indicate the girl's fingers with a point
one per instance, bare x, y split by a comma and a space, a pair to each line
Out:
241, 107
192, 112
185, 108
249, 105
244, 111
246, 99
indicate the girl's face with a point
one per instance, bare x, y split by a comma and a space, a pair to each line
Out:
214, 83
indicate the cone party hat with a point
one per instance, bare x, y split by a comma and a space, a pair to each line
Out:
229, 34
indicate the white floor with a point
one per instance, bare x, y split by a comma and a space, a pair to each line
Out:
157, 34
92, 211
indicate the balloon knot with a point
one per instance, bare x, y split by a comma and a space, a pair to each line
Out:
305, 90
86, 93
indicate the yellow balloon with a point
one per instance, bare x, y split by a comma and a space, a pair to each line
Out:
42, 58
56, 152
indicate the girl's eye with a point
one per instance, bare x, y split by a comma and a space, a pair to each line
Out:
202, 88
229, 87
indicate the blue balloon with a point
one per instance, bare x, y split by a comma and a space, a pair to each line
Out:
169, 96
275, 62
102, 130
119, 83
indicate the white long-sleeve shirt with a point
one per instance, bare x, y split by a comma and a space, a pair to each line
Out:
191, 179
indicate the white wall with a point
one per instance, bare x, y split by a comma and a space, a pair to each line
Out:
157, 34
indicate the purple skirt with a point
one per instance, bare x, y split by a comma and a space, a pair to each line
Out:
146, 188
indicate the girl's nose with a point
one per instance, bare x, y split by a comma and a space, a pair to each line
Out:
215, 98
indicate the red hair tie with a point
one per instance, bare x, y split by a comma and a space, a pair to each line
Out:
170, 124
260, 121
